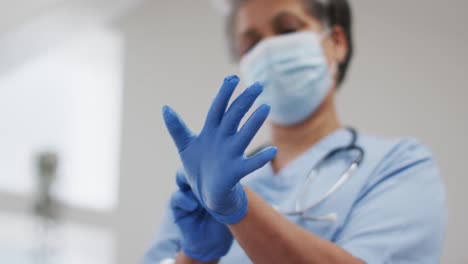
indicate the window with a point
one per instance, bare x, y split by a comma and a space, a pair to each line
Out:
66, 100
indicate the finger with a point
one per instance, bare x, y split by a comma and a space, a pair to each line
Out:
179, 132
258, 160
219, 105
179, 214
182, 181
240, 107
183, 203
187, 221
191, 206
252, 126
177, 199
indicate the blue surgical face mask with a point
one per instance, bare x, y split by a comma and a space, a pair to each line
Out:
295, 74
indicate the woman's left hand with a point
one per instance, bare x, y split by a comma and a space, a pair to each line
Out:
214, 160
203, 237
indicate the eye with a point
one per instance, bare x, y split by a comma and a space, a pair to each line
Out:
288, 31
286, 23
289, 27
248, 45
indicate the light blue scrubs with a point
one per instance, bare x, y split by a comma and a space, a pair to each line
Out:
392, 209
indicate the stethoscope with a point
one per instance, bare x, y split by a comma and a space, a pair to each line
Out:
313, 173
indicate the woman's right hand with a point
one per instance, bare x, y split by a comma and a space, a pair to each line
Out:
214, 160
203, 237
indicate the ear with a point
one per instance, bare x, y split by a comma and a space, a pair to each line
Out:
341, 45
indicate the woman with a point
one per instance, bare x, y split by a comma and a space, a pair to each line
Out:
321, 193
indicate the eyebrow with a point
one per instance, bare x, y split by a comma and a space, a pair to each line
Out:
253, 33
282, 15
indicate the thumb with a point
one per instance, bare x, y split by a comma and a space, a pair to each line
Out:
177, 128
183, 204
258, 160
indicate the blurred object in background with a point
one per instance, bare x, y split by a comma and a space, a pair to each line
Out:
66, 98
61, 84
45, 206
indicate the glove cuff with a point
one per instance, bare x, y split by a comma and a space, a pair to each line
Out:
239, 214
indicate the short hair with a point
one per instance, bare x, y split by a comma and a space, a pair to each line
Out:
329, 12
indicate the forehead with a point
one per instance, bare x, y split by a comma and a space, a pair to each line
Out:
259, 13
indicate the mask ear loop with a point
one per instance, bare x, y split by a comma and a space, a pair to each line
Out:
333, 68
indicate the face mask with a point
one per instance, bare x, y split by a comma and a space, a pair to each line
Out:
294, 72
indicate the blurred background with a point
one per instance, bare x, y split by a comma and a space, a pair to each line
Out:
86, 166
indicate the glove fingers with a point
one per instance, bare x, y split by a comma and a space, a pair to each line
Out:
180, 214
240, 107
259, 160
221, 101
183, 203
177, 128
182, 181
251, 127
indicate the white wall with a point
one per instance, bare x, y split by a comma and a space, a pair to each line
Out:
408, 78
174, 56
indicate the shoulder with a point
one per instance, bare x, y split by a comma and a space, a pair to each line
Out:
394, 148
401, 164
400, 213
387, 155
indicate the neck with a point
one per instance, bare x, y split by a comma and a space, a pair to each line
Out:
292, 141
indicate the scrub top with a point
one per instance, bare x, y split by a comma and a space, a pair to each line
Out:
391, 210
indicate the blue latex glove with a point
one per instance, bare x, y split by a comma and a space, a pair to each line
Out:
214, 160
203, 237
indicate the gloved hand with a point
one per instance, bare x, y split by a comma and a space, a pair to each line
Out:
214, 160
203, 237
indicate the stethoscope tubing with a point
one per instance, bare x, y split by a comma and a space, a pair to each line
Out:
315, 171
